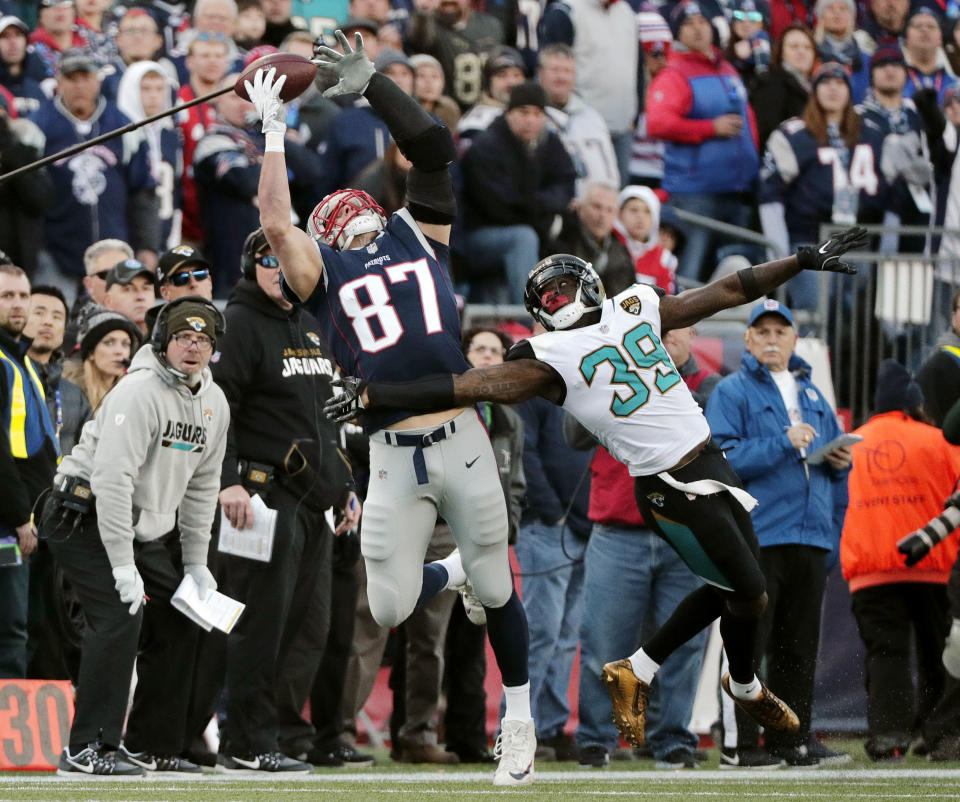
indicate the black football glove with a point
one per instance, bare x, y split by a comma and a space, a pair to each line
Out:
827, 256
347, 404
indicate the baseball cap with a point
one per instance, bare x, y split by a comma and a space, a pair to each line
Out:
529, 93
126, 271
9, 19
53, 3
360, 23
768, 306
501, 58
76, 59
175, 258
387, 57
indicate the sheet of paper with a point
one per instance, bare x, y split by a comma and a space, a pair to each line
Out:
838, 442
216, 610
255, 543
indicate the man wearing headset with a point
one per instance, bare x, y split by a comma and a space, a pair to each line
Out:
276, 375
150, 457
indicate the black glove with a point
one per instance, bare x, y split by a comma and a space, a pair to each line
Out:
827, 256
914, 547
345, 405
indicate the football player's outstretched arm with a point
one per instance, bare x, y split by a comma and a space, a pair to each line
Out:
426, 143
510, 383
298, 255
692, 306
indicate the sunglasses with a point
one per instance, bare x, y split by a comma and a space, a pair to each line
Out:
270, 260
182, 279
751, 16
209, 36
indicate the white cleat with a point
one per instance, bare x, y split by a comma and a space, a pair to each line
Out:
516, 745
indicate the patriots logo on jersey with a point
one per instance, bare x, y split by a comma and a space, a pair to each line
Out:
631, 305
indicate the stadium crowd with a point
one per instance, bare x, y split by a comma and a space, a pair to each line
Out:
582, 127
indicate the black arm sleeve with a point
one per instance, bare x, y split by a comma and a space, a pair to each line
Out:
424, 395
424, 141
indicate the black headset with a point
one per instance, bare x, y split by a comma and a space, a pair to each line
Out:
159, 337
256, 241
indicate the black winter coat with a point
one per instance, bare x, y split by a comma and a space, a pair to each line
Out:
507, 183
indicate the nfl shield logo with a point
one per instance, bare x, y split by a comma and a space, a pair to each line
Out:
373, 247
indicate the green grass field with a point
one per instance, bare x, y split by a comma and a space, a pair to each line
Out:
914, 778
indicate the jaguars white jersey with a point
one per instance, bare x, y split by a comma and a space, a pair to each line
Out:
622, 385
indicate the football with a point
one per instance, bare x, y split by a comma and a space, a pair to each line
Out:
300, 73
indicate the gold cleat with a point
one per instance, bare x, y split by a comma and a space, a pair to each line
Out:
628, 695
769, 710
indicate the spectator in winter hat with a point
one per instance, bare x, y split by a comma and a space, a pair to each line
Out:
108, 340
922, 42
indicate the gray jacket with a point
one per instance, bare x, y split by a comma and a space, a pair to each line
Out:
153, 450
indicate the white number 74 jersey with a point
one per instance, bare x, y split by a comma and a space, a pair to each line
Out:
622, 385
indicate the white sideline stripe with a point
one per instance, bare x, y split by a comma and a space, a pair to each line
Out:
805, 776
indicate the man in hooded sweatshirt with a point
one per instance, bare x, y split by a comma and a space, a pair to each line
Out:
151, 457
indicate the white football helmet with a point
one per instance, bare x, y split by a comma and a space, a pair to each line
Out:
344, 214
590, 293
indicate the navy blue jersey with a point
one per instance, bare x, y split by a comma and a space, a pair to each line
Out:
93, 186
167, 173
802, 174
388, 310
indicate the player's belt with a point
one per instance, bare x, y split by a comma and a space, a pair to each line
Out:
418, 442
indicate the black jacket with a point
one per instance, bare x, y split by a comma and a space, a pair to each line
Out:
506, 183
775, 96
276, 375
609, 258
71, 409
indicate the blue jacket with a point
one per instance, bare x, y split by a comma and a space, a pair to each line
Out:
748, 419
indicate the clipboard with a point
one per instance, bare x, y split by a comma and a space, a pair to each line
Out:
838, 442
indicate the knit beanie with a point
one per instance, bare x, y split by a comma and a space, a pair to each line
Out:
831, 69
192, 316
529, 93
98, 323
823, 4
679, 14
896, 388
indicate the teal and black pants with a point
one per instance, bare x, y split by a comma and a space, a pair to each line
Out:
714, 536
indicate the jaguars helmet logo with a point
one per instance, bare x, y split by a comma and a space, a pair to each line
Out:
314, 338
656, 498
184, 250
631, 305
197, 323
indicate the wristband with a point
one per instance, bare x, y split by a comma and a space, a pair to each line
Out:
274, 142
